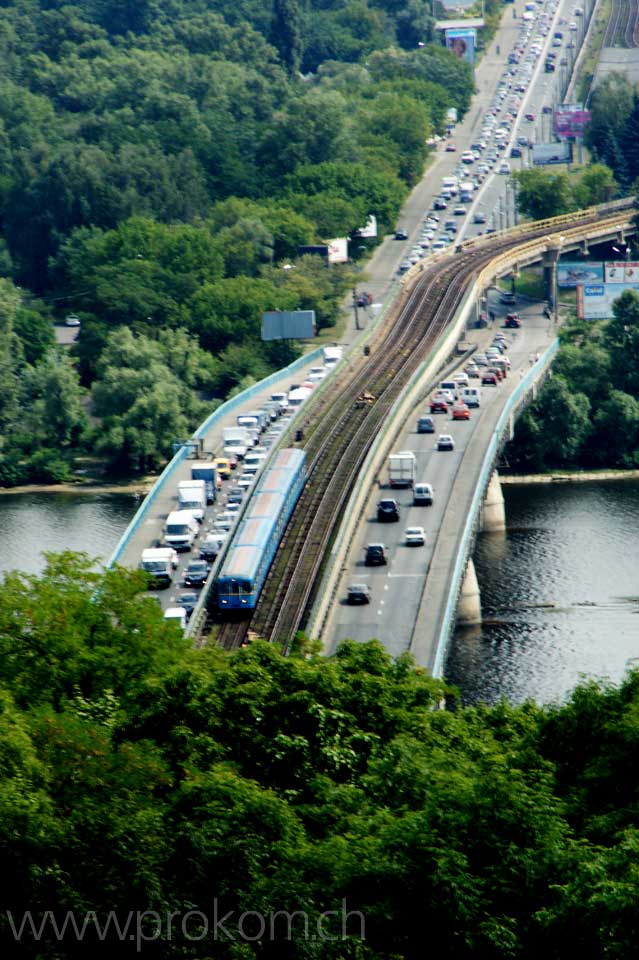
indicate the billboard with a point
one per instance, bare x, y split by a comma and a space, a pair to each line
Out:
595, 300
288, 325
370, 230
462, 44
570, 274
570, 120
338, 250
625, 271
544, 154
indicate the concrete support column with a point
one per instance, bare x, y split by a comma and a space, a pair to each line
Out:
469, 609
493, 516
551, 257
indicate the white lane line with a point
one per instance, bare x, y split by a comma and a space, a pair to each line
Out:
417, 575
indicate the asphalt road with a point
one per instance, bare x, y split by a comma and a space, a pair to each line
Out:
397, 588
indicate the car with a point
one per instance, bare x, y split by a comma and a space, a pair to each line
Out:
357, 593
504, 167
467, 157
432, 218
513, 321
425, 244
388, 510
72, 321
438, 405
212, 544
480, 360
546, 109
479, 217
472, 370
415, 537
364, 299
196, 574
507, 296
188, 602
445, 442
488, 378
425, 425
498, 373
401, 234
245, 481
451, 148
439, 203
450, 226
404, 266
461, 412
459, 211
375, 555
439, 245
522, 141
515, 152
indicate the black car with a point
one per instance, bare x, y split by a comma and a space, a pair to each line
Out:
515, 152
425, 425
188, 601
401, 234
375, 555
196, 573
387, 510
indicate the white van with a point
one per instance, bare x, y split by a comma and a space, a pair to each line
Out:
255, 458
297, 397
451, 184
176, 615
180, 530
450, 386
422, 495
471, 396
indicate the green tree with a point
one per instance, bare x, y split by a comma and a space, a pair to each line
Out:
621, 337
616, 439
54, 400
595, 185
541, 195
286, 33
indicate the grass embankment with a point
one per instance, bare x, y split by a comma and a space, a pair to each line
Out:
591, 59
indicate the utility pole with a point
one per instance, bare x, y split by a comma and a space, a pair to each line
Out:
357, 326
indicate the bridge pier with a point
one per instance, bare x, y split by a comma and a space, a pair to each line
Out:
550, 258
469, 608
493, 516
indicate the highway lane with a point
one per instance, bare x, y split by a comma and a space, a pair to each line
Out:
396, 589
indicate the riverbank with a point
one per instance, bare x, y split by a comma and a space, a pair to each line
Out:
579, 476
138, 487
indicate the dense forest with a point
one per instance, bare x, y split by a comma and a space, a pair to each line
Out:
141, 775
160, 161
587, 414
613, 133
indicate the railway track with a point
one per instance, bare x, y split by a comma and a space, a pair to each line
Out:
622, 29
343, 429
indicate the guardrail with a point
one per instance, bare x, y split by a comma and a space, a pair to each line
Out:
223, 410
516, 397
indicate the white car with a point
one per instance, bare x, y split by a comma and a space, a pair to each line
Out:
445, 442
504, 167
72, 321
317, 373
415, 536
467, 157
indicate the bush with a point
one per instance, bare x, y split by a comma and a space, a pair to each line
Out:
47, 466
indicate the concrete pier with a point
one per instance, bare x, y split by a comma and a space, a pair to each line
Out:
469, 609
493, 516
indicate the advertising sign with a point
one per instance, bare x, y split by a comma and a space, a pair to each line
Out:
595, 300
570, 120
625, 271
462, 44
547, 153
288, 325
338, 250
370, 230
570, 274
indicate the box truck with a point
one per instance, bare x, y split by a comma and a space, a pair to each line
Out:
206, 472
402, 468
332, 356
191, 496
236, 440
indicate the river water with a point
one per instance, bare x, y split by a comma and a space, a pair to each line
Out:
560, 594
34, 522
560, 588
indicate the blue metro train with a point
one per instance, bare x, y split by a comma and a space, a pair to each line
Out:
253, 546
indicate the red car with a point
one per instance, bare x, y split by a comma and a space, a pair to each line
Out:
530, 117
461, 412
438, 406
513, 321
498, 373
489, 378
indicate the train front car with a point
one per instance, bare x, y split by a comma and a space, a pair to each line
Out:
258, 535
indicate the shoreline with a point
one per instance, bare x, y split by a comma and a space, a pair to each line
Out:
581, 476
138, 487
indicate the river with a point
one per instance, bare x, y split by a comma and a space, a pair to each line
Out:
560, 588
560, 594
34, 522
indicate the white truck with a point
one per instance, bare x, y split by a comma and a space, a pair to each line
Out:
192, 496
160, 563
402, 468
332, 356
236, 440
180, 530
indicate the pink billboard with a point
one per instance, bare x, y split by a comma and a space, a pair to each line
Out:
570, 120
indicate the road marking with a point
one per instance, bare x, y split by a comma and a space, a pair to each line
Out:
417, 575
385, 586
